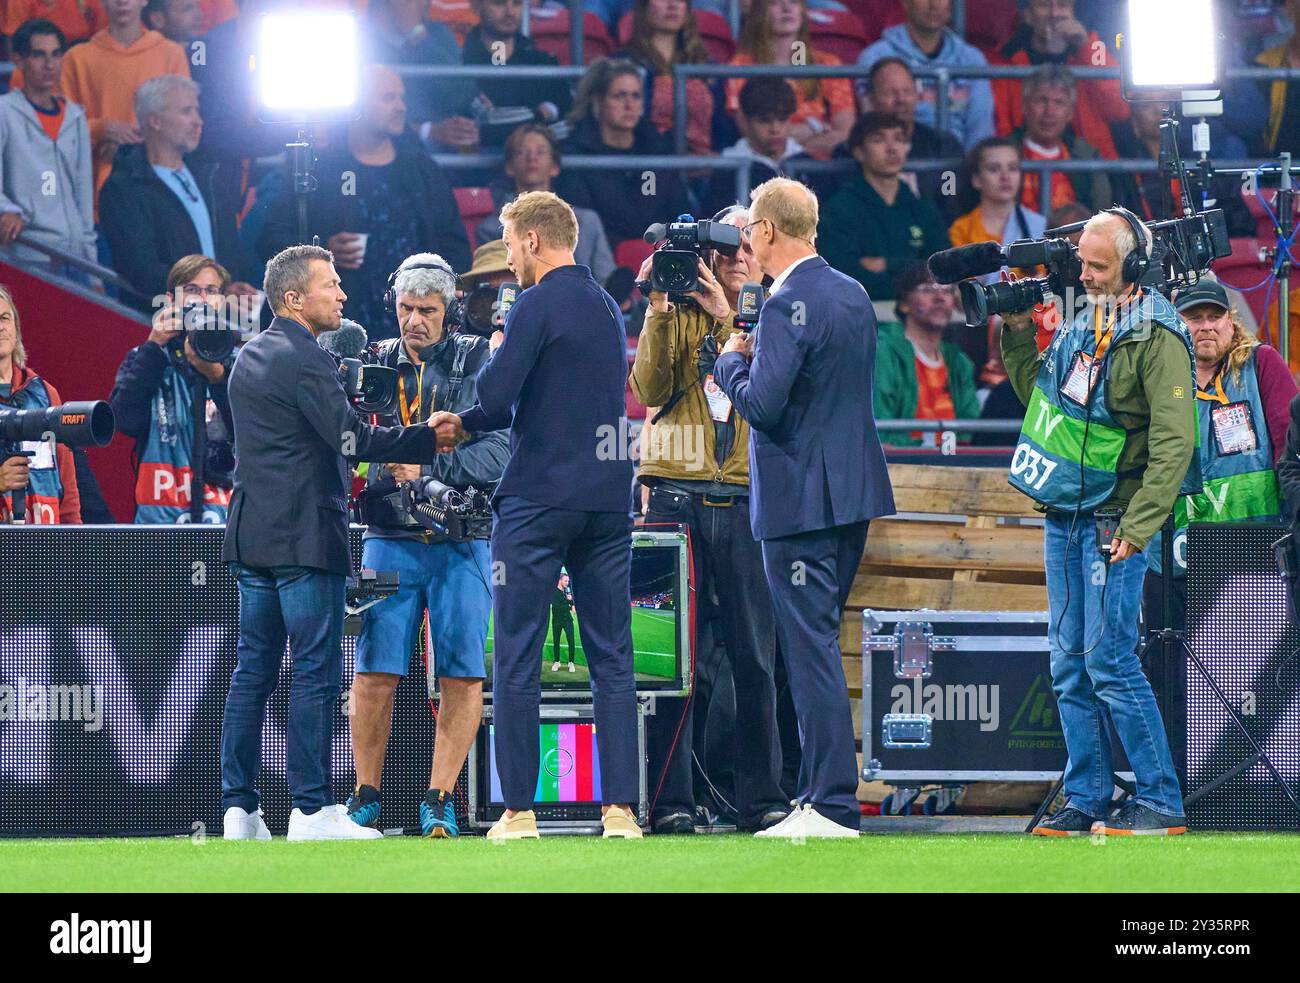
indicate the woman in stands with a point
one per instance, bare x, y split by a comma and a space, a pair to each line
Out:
991, 191
609, 118
776, 32
664, 34
50, 479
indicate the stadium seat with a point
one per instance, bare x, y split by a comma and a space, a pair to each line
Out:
549, 29
715, 32
475, 205
837, 33
632, 253
1263, 224
876, 15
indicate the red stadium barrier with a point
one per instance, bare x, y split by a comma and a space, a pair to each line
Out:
78, 346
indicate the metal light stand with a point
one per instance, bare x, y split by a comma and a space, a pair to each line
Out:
1173, 639
1285, 219
302, 157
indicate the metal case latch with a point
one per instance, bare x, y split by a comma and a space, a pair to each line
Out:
913, 643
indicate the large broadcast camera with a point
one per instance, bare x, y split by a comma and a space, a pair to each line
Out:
675, 268
1182, 251
370, 386
71, 424
460, 515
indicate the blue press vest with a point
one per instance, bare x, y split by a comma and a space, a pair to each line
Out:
165, 461
1239, 487
44, 485
1068, 453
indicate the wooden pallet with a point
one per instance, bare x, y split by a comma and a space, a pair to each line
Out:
958, 554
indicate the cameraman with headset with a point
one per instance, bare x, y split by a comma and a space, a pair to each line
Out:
437, 367
1108, 437
696, 464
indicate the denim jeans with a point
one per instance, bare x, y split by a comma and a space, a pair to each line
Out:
1096, 672
305, 607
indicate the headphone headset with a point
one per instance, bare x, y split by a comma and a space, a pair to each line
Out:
453, 318
1137, 262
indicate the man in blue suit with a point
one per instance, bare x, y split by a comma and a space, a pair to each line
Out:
817, 478
557, 382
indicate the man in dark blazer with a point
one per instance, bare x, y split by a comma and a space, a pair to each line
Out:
817, 477
287, 542
557, 382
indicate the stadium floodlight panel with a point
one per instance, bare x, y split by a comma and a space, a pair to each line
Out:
308, 65
1172, 44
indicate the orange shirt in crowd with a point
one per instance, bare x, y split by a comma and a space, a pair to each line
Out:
51, 123
829, 97
933, 400
1062, 189
699, 112
102, 76
456, 14
77, 19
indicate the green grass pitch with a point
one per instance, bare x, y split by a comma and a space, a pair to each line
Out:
1210, 862
653, 638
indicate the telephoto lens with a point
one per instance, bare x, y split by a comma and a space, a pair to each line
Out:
73, 424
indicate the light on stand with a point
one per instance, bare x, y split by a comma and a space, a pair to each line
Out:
307, 71
1171, 45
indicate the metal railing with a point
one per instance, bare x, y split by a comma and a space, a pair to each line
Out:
59, 256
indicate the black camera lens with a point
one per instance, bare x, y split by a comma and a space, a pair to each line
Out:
675, 271
209, 334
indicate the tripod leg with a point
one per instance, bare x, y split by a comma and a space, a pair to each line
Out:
1046, 804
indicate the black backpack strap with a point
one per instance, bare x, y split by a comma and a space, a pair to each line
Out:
464, 345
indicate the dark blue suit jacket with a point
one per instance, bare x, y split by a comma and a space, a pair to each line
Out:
557, 382
815, 457
293, 426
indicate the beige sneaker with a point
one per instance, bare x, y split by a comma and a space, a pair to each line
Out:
522, 826
620, 824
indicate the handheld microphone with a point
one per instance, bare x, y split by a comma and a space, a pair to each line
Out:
964, 262
748, 306
348, 340
506, 295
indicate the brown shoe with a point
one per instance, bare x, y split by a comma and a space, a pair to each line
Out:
620, 824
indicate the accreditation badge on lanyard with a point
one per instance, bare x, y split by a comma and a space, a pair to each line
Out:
1085, 368
719, 403
1234, 430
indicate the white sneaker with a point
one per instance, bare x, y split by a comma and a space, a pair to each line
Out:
555, 667
571, 669
237, 824
328, 823
787, 825
817, 826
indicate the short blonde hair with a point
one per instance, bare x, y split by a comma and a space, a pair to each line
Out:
789, 205
545, 213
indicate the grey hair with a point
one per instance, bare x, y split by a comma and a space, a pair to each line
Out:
290, 269
152, 95
1120, 233
1051, 75
423, 282
731, 211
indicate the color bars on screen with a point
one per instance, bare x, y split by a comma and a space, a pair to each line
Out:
570, 767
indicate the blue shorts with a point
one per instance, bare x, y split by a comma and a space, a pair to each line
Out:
451, 581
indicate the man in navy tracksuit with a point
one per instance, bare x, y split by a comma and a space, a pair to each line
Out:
817, 477
557, 382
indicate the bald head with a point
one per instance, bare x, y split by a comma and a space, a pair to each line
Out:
383, 101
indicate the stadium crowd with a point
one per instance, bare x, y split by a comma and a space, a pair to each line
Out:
142, 115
